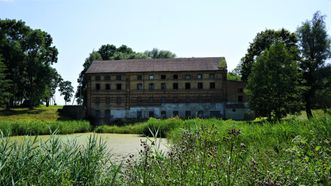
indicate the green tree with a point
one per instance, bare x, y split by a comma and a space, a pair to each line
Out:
156, 53
262, 41
66, 90
5, 92
273, 85
314, 46
28, 54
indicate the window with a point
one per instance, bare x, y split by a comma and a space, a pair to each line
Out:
139, 114
200, 114
211, 76
119, 86
107, 113
175, 113
107, 87
162, 99
212, 85
139, 77
97, 113
139, 99
240, 90
163, 86
175, 86
175, 76
107, 78
151, 114
187, 114
240, 98
187, 86
151, 86
118, 77
200, 85
139, 86
163, 114
97, 86
108, 101
187, 76
199, 76
151, 77
97, 78
118, 100
97, 100
163, 77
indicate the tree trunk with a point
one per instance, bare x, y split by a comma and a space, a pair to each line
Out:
308, 106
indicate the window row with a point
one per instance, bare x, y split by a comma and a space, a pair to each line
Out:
164, 114
153, 77
151, 86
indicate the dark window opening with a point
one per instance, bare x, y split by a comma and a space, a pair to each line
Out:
139, 114
175, 76
233, 110
163, 77
151, 86
163, 86
107, 86
107, 78
187, 114
240, 98
119, 86
118, 100
151, 114
200, 114
139, 86
118, 77
212, 85
187, 86
163, 114
97, 86
240, 90
175, 86
139, 77
200, 85
107, 113
97, 100
97, 78
97, 113
211, 76
175, 113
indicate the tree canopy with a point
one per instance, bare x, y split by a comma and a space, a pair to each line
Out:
315, 48
28, 55
66, 90
273, 85
263, 41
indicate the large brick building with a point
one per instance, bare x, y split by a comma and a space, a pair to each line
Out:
142, 88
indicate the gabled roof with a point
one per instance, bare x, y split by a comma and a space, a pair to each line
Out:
158, 65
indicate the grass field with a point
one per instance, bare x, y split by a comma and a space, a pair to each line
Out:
39, 121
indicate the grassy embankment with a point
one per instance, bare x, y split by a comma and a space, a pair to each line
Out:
295, 151
39, 121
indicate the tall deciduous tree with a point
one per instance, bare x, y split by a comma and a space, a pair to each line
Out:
5, 92
262, 41
156, 53
28, 54
273, 85
314, 45
66, 90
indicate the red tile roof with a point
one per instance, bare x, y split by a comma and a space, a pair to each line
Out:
157, 65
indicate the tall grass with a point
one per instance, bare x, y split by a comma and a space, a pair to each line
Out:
54, 162
37, 127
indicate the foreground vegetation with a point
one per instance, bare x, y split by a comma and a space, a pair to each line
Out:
295, 151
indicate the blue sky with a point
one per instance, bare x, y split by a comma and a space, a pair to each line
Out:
189, 28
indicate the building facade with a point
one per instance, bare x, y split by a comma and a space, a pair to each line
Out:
162, 88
